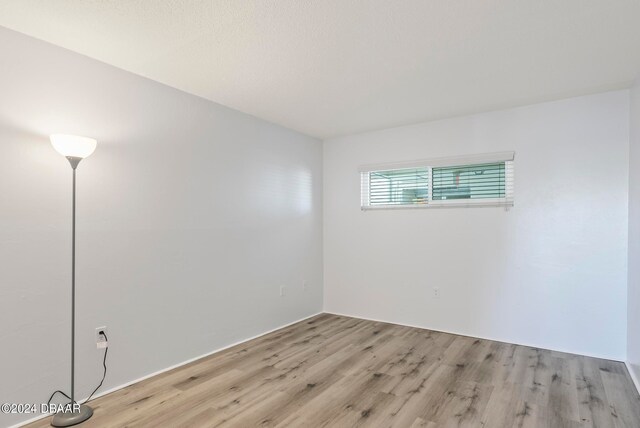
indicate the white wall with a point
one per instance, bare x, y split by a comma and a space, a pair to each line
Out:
633, 351
190, 217
552, 272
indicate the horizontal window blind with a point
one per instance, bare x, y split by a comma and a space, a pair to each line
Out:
463, 184
469, 182
397, 187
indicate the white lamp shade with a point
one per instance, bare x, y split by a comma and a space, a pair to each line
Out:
73, 145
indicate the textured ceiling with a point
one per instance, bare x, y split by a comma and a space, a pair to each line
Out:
334, 67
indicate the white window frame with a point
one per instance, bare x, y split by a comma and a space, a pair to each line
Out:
478, 159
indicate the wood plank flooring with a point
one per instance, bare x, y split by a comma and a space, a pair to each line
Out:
335, 371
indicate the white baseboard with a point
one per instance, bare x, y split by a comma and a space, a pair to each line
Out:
175, 366
634, 375
564, 351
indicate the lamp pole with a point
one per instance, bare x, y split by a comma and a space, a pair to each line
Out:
74, 164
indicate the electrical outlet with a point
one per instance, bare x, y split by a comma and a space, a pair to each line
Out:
436, 292
283, 290
101, 341
305, 285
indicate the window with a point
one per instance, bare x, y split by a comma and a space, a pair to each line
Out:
486, 181
481, 180
399, 186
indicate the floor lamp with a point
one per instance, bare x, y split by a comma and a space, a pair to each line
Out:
75, 149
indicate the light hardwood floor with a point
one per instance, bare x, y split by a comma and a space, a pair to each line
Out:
344, 372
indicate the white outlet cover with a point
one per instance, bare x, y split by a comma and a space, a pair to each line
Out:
101, 342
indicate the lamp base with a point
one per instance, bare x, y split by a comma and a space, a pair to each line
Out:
67, 419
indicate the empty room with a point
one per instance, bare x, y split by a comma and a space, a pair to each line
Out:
320, 213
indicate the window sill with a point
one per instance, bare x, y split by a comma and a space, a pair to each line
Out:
448, 204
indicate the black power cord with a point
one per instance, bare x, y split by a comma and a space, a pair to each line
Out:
57, 392
104, 364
